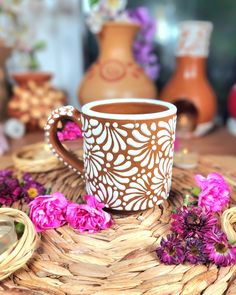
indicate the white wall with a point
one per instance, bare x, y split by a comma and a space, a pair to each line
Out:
60, 24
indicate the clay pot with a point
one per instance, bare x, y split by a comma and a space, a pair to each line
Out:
116, 73
189, 87
34, 98
128, 150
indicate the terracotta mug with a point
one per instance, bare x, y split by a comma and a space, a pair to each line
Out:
128, 150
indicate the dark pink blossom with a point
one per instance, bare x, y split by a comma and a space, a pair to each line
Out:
48, 211
88, 217
215, 192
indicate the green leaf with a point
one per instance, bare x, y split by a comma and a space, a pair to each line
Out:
48, 191
196, 191
34, 65
231, 242
186, 199
174, 209
93, 2
39, 45
20, 227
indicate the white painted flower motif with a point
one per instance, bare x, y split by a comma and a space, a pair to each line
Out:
117, 173
108, 196
139, 196
162, 178
93, 160
166, 136
109, 135
145, 143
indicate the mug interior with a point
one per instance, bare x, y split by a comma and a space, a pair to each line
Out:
129, 108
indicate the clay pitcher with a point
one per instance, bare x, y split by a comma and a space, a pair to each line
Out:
116, 73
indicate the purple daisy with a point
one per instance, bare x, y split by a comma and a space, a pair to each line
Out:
192, 221
31, 188
171, 250
194, 251
10, 189
218, 249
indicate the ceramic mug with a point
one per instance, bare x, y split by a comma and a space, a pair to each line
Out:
128, 149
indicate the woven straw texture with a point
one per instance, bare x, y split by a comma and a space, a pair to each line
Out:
122, 259
19, 253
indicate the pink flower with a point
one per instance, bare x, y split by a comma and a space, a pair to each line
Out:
215, 192
48, 211
71, 131
88, 216
218, 249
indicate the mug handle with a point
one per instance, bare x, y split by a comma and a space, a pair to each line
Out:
65, 156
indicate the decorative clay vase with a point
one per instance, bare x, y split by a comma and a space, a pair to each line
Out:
34, 98
189, 88
128, 150
116, 73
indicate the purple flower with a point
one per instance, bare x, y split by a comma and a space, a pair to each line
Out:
194, 251
218, 249
71, 131
192, 222
171, 250
31, 188
48, 211
215, 192
88, 217
10, 189
143, 46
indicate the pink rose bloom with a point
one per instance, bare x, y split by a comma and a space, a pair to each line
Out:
48, 211
71, 131
88, 216
215, 192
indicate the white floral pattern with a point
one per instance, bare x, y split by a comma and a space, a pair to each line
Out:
93, 161
144, 141
109, 136
128, 166
139, 195
162, 178
108, 196
117, 173
166, 136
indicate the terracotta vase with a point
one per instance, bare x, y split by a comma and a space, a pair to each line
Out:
189, 87
34, 98
116, 73
5, 52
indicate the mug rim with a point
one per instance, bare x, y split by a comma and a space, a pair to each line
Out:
86, 109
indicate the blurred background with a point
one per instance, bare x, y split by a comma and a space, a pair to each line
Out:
47, 46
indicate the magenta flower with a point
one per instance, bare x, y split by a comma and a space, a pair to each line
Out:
171, 250
48, 211
10, 189
194, 251
31, 188
215, 192
88, 217
192, 221
218, 249
71, 131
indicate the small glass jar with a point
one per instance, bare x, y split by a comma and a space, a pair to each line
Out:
7, 233
185, 159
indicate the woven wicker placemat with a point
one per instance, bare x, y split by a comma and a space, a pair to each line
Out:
122, 259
